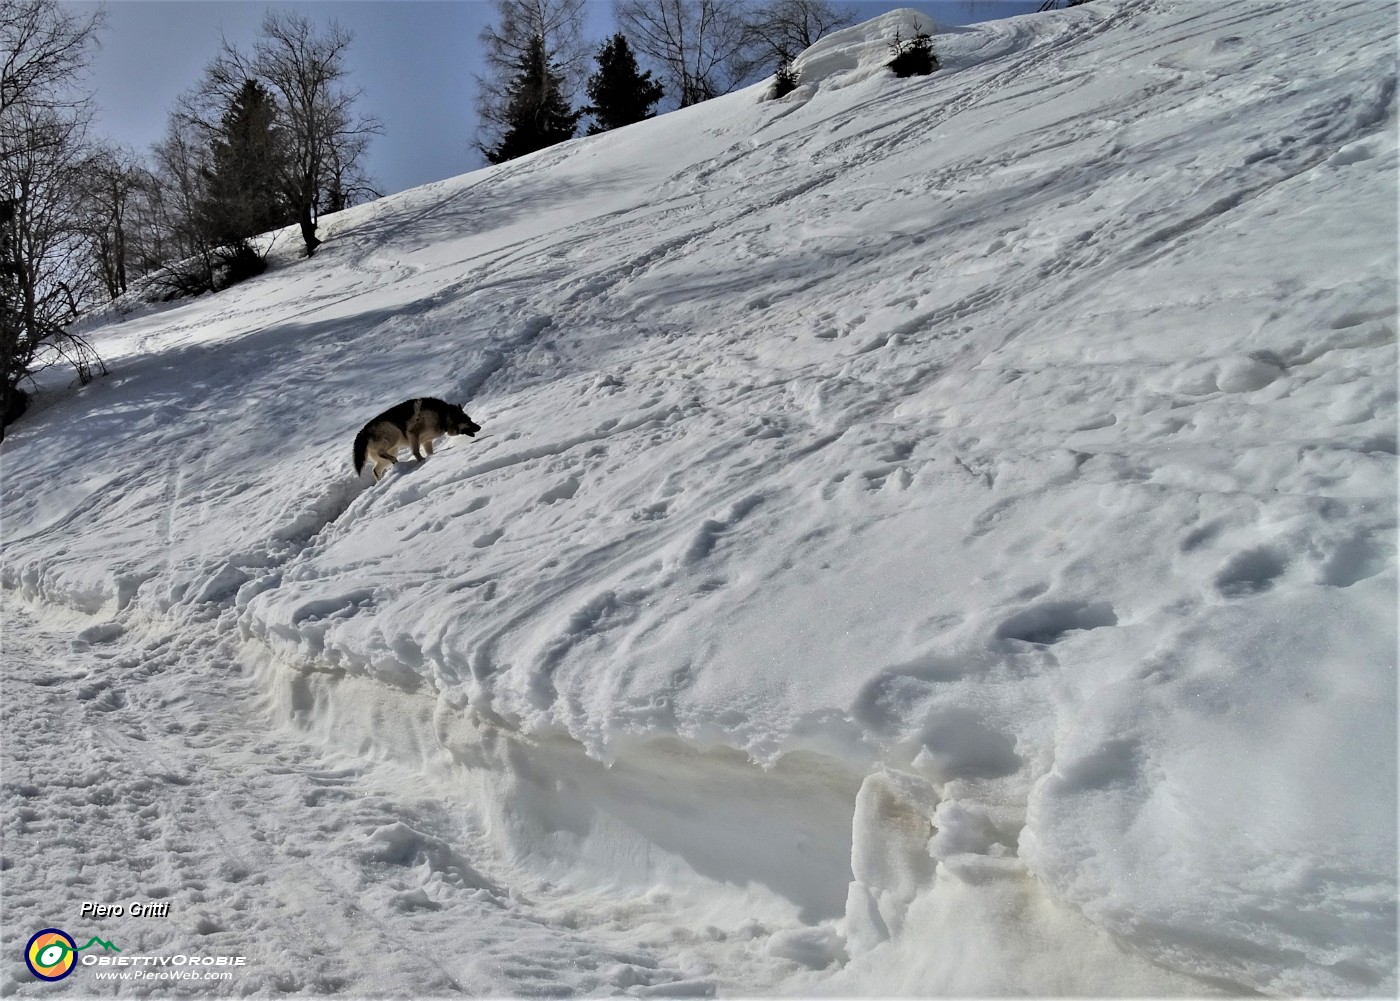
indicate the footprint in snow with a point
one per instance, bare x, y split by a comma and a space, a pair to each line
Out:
561, 491
488, 538
1050, 622
1250, 572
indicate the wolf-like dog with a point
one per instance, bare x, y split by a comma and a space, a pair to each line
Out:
414, 423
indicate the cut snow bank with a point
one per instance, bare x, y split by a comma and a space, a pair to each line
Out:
953, 511
857, 53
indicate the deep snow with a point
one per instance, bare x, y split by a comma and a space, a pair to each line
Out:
929, 536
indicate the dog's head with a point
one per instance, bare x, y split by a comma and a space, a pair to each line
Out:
456, 421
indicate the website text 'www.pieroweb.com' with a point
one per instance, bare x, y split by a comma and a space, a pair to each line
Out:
147, 969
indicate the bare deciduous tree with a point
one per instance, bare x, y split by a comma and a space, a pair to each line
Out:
347, 184
782, 29
506, 45
703, 48
328, 137
42, 48
176, 237
113, 182
305, 70
43, 135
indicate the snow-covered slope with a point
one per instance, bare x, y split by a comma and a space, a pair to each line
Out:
928, 536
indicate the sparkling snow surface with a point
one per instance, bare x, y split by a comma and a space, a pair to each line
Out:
928, 536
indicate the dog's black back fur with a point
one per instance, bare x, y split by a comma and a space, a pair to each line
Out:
399, 415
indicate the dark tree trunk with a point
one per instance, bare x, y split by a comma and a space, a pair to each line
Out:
308, 228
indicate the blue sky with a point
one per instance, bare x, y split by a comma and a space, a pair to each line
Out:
414, 60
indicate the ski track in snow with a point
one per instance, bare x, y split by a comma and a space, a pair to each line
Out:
928, 536
263, 845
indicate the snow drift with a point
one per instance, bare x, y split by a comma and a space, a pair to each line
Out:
928, 536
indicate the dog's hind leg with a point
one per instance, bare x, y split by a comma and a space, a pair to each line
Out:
382, 463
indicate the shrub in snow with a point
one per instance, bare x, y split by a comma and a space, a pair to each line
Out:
913, 57
212, 268
238, 262
784, 81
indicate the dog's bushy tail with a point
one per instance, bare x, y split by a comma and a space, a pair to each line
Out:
361, 447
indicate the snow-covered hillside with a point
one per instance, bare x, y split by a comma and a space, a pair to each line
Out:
928, 536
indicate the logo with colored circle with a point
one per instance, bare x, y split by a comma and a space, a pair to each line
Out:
51, 954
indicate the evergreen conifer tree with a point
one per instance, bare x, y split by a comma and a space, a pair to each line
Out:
242, 195
620, 93
537, 114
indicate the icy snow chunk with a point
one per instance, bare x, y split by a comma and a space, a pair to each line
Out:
415, 900
964, 828
889, 843
815, 948
890, 858
102, 632
399, 844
